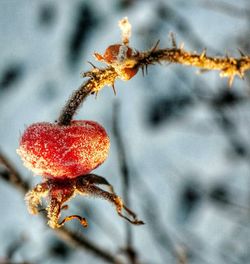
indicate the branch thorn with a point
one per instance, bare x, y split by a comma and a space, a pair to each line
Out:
113, 87
89, 62
173, 40
154, 48
203, 54
142, 70
241, 52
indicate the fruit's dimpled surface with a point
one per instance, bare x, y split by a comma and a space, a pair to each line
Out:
60, 152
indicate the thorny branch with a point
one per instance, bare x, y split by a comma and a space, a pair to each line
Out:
12, 176
232, 10
98, 78
127, 60
228, 66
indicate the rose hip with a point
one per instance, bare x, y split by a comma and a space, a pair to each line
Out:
60, 152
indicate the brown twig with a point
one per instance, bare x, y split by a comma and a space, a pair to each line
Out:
123, 164
127, 67
232, 10
228, 66
12, 176
98, 78
159, 233
173, 244
80, 241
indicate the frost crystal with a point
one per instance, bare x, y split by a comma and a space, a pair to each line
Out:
125, 27
122, 55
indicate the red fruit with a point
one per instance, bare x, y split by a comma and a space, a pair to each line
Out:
61, 152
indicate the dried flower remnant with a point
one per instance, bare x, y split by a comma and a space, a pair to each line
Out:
126, 28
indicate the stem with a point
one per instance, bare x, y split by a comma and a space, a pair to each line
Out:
98, 78
229, 66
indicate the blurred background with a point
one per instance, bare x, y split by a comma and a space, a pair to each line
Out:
185, 135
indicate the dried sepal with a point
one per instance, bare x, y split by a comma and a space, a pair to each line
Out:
34, 197
58, 192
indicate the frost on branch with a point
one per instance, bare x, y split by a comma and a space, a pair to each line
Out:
125, 27
228, 66
123, 62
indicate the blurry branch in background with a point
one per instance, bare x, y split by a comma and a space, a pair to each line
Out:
11, 250
179, 247
173, 17
165, 243
157, 229
226, 8
124, 168
11, 176
239, 145
14, 247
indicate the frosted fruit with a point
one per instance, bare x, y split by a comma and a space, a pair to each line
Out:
61, 152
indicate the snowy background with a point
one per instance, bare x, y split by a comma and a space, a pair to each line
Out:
186, 135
